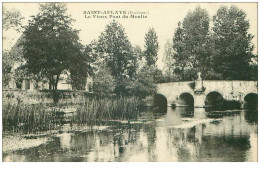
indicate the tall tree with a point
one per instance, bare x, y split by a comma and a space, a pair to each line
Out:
117, 52
191, 44
196, 37
168, 58
233, 47
151, 47
51, 45
179, 52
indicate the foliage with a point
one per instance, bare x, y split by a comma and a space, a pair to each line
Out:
151, 47
232, 43
231, 104
212, 75
104, 83
168, 58
158, 76
253, 72
50, 44
143, 85
196, 38
190, 74
223, 54
19, 74
191, 44
136, 60
7, 67
12, 19
82, 69
179, 52
116, 50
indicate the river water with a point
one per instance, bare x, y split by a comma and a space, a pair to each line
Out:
179, 135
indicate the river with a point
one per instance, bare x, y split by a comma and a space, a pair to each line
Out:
178, 135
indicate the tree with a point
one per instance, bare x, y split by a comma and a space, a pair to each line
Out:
191, 43
179, 52
136, 61
117, 52
143, 85
50, 44
168, 59
232, 44
151, 47
82, 69
11, 21
104, 83
253, 72
196, 38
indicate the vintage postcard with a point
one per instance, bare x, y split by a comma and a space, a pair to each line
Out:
129, 82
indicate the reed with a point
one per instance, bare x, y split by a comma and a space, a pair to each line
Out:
22, 118
28, 118
124, 108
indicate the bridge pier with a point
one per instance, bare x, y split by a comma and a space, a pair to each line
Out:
199, 100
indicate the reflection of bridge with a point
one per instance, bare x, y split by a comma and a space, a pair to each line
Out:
197, 93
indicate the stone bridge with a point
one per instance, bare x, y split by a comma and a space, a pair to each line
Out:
198, 92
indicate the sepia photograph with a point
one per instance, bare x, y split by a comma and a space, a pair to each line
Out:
129, 82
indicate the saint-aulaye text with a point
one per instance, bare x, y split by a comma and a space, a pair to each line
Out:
115, 14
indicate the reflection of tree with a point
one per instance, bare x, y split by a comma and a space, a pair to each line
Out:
251, 116
232, 148
150, 131
186, 112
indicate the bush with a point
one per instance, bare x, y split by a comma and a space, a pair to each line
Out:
103, 83
143, 85
231, 104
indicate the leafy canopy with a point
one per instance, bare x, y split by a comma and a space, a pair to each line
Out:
151, 47
51, 45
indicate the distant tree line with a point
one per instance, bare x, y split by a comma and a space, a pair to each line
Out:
222, 52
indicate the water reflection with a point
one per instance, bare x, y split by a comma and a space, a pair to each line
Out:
182, 134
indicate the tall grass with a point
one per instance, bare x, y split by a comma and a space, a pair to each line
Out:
108, 109
28, 118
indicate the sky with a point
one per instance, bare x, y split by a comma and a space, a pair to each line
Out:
163, 17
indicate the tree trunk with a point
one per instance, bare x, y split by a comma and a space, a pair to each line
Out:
56, 82
49, 85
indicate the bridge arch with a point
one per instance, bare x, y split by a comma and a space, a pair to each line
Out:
214, 99
186, 99
160, 102
251, 100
